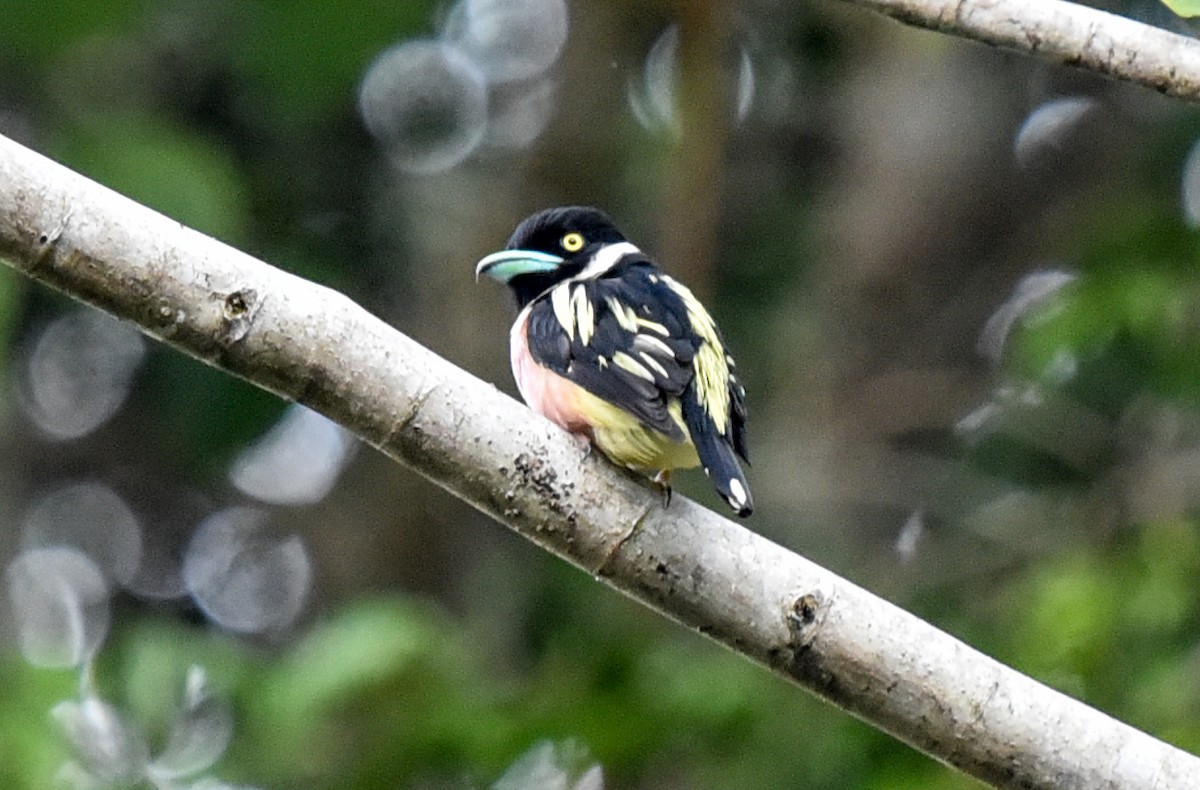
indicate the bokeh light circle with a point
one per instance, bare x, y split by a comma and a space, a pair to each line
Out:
297, 462
1047, 128
426, 103
241, 577
1189, 188
509, 40
60, 603
79, 373
91, 517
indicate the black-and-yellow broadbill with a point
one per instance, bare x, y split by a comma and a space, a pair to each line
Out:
608, 346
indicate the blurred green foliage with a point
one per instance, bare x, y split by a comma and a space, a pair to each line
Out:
171, 169
239, 119
1183, 7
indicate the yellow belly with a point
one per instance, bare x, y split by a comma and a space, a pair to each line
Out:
617, 433
625, 440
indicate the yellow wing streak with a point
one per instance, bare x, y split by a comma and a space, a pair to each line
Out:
623, 313
623, 360
710, 365
649, 344
654, 363
653, 326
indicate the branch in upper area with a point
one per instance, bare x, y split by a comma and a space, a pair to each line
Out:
1063, 33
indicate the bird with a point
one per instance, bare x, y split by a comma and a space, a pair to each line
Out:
608, 346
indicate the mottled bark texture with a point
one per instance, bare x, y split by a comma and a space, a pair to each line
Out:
1063, 33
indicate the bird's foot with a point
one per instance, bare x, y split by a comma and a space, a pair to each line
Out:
663, 481
584, 443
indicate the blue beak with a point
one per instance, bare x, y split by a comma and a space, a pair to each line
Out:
507, 264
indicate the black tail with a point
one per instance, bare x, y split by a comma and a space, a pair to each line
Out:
717, 455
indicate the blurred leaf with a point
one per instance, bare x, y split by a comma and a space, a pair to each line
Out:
171, 169
1165, 598
106, 746
199, 734
31, 749
38, 30
149, 661
363, 647
214, 784
1184, 7
309, 56
1070, 612
1164, 694
552, 766
73, 776
1128, 324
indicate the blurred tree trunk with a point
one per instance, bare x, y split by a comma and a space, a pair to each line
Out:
690, 220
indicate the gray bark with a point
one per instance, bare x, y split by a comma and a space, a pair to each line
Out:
1063, 33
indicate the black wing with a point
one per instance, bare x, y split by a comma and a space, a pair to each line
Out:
624, 337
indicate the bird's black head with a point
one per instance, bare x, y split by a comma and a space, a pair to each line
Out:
550, 231
548, 247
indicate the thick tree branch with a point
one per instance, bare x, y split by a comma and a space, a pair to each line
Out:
313, 345
1064, 33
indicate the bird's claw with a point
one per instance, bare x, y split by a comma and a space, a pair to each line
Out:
663, 481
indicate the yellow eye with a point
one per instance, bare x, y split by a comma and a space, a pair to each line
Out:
572, 242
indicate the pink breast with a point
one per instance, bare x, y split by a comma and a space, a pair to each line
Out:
546, 392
